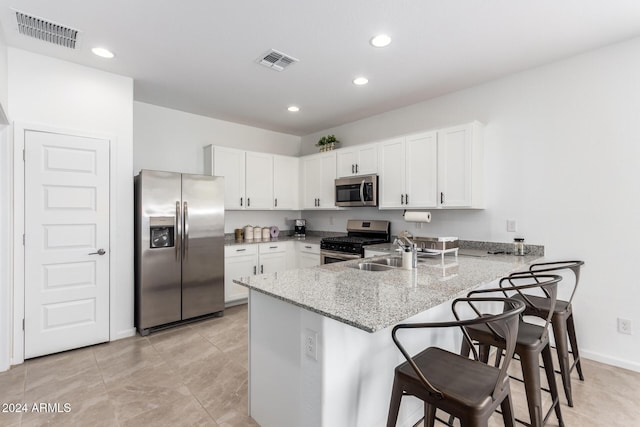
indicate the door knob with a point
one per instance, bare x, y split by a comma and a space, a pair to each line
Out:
100, 252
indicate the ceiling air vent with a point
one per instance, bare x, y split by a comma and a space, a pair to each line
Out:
46, 30
276, 60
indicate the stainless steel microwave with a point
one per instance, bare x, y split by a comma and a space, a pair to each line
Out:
357, 191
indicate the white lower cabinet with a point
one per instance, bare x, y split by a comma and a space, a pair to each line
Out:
239, 261
308, 254
252, 259
272, 257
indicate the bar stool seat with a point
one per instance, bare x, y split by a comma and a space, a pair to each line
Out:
465, 388
473, 389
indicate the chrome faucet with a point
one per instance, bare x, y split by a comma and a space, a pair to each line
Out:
409, 246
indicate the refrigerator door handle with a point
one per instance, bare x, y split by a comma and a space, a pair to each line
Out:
177, 234
185, 214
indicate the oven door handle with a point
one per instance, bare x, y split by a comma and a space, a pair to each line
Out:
362, 191
345, 256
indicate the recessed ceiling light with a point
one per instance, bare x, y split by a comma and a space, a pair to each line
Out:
359, 81
293, 109
381, 40
102, 52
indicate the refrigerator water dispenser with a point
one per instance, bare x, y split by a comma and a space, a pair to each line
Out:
162, 232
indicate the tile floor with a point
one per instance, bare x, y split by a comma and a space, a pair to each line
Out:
196, 375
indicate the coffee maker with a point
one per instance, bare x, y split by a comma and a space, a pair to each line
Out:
300, 227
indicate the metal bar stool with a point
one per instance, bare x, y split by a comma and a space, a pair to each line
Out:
532, 340
561, 321
465, 388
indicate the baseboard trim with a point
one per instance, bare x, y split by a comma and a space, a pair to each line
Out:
613, 361
127, 333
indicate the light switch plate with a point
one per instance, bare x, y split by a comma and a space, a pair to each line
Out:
512, 226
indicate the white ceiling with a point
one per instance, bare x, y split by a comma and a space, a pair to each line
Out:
199, 55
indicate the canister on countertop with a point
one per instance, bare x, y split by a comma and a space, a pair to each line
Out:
248, 232
266, 233
239, 233
518, 246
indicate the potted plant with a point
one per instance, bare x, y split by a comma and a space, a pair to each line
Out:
327, 143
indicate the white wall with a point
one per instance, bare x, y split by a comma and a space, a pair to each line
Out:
563, 159
172, 140
48, 92
166, 139
5, 216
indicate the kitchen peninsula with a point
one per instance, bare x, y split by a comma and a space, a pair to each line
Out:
320, 348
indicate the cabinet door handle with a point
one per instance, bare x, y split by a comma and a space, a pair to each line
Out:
356, 168
276, 203
318, 202
241, 250
254, 270
308, 247
261, 269
241, 201
406, 199
353, 170
441, 198
248, 202
402, 199
273, 247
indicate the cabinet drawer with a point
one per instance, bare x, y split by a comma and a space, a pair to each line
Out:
239, 250
312, 248
266, 248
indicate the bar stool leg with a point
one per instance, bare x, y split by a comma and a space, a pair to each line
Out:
574, 345
562, 346
507, 411
394, 406
551, 379
531, 376
429, 415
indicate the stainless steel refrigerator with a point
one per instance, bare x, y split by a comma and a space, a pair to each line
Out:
179, 248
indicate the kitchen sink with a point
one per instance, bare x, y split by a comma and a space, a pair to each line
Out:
372, 266
392, 262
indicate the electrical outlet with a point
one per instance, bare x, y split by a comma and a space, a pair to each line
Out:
310, 344
624, 326
512, 226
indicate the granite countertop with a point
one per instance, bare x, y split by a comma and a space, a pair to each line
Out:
374, 300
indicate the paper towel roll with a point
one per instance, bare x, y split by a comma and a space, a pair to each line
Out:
417, 216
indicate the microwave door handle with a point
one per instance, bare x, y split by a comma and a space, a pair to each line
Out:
362, 191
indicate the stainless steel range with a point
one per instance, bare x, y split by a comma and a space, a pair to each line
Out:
360, 233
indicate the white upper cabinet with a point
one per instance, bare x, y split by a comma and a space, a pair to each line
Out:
358, 160
408, 173
421, 163
228, 162
461, 166
286, 182
318, 181
259, 180
255, 180
437, 169
392, 173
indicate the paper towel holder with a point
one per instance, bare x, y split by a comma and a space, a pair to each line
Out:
427, 216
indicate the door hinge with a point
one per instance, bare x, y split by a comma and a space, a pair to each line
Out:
23, 239
23, 324
23, 155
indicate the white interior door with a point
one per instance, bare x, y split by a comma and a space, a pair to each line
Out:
66, 242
